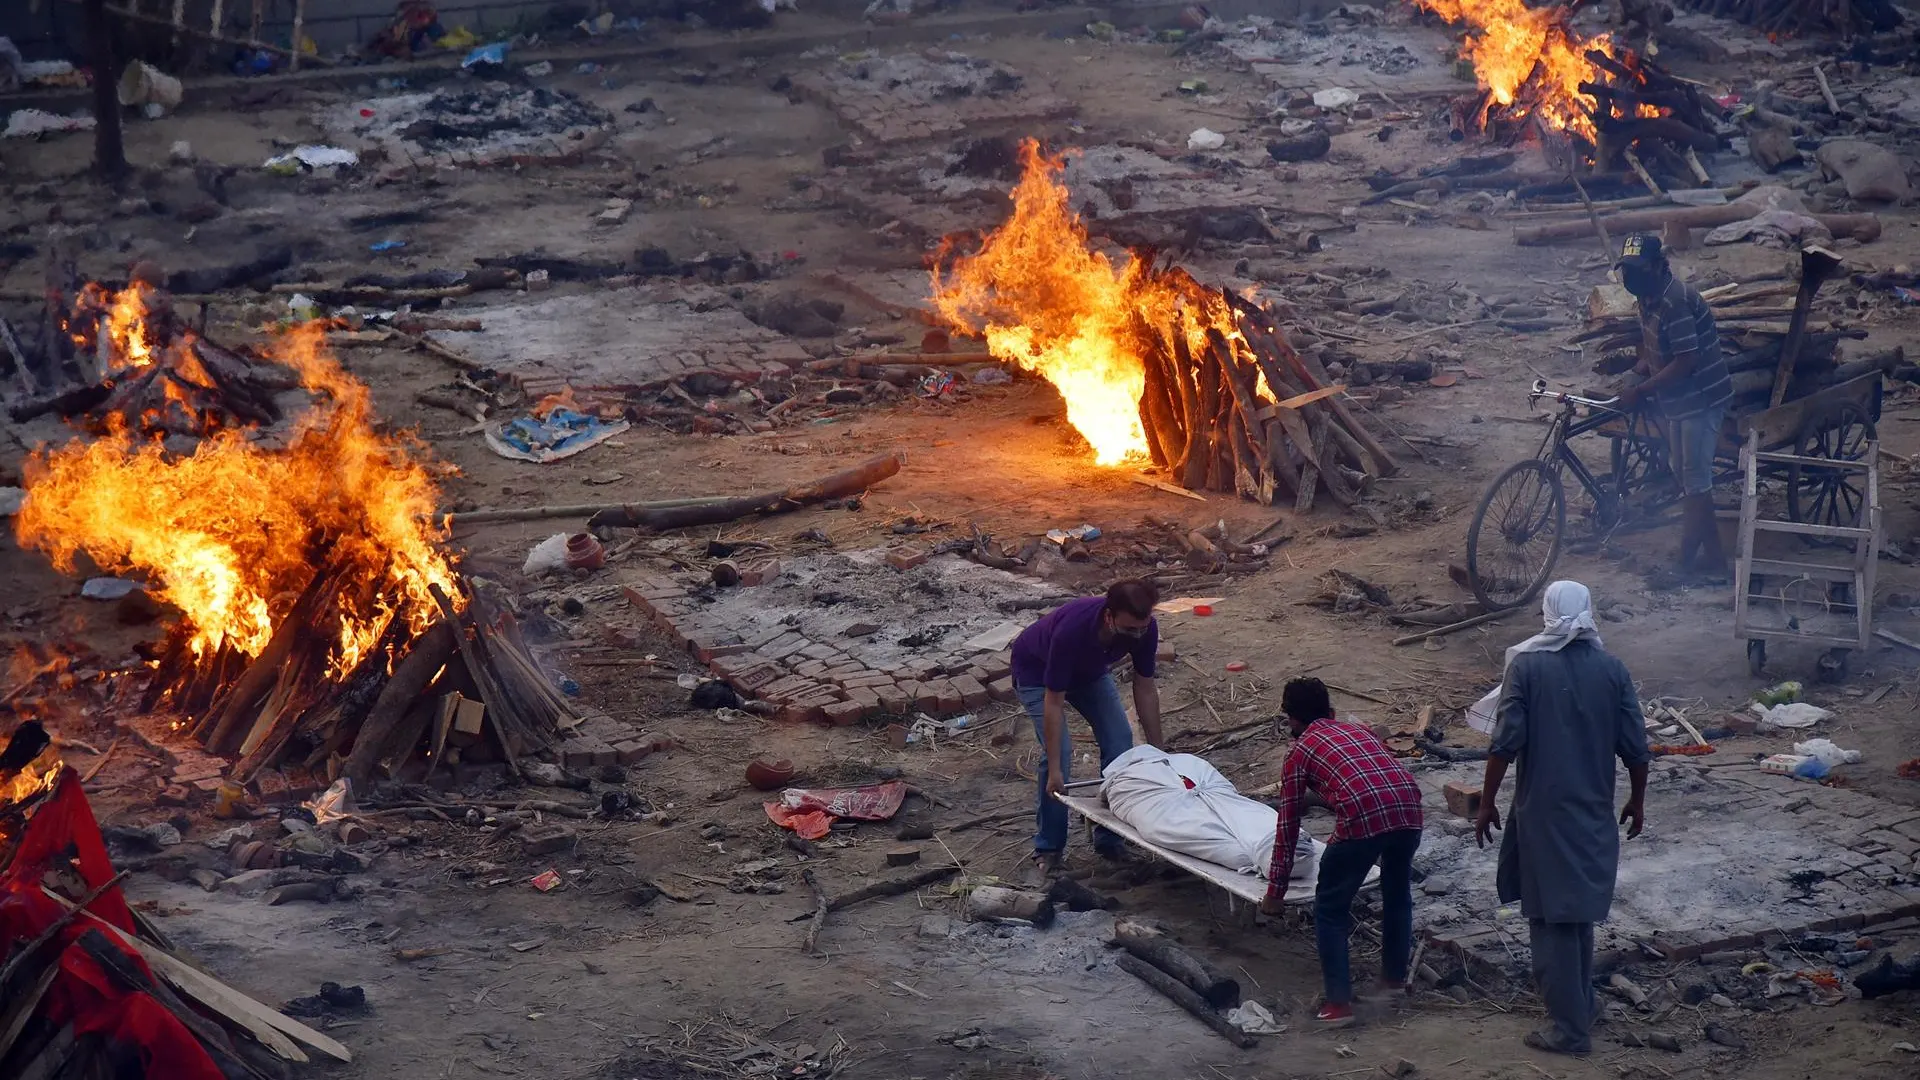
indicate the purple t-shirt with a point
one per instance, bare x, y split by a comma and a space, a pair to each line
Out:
1063, 649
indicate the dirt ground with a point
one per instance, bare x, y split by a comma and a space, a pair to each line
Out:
600, 979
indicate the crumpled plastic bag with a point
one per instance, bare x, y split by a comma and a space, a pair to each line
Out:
1827, 752
1794, 714
548, 555
1254, 1019
1205, 139
332, 804
811, 812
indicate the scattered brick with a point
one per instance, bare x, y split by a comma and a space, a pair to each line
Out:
845, 713
973, 694
1002, 689
946, 697
544, 839
1463, 800
893, 700
712, 644
631, 751
925, 698
906, 557
764, 572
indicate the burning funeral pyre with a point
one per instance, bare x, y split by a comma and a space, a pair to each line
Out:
1535, 71
317, 603
1152, 364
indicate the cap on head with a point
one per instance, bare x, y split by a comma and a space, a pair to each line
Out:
1643, 264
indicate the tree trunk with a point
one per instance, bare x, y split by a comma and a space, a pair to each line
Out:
109, 151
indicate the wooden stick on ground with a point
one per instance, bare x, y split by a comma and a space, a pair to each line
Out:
1451, 628
839, 485
1182, 995
891, 887
1151, 944
811, 943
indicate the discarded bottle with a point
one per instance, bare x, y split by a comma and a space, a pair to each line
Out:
1781, 694
229, 800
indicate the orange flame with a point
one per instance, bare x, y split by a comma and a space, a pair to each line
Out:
1053, 305
1528, 57
232, 533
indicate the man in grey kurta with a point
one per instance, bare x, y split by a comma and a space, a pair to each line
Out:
1564, 716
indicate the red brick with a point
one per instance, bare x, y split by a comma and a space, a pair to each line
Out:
783, 648
788, 689
1002, 689
766, 638
999, 665
845, 713
709, 645
844, 668
893, 700
871, 679
972, 693
750, 679
763, 572
731, 664
797, 713
583, 751
946, 696
1463, 800
638, 600
865, 697
820, 650
905, 557
925, 699
632, 750
812, 669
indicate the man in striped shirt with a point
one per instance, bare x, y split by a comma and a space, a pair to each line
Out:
1688, 379
1377, 819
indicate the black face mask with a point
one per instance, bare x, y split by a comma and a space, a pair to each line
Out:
1642, 282
1127, 633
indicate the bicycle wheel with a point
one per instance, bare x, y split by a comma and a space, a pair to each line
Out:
1516, 534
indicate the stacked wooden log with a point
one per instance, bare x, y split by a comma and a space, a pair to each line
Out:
1230, 406
1666, 144
1753, 321
284, 710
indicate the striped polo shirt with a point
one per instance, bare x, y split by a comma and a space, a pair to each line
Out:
1684, 323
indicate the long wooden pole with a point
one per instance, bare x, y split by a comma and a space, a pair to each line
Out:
109, 150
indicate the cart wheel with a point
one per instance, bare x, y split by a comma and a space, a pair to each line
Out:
1516, 534
1757, 656
1823, 496
1832, 665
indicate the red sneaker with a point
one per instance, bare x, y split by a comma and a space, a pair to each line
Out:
1334, 1016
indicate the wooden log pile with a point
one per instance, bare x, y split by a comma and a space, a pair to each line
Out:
1229, 405
1754, 323
282, 710
1665, 145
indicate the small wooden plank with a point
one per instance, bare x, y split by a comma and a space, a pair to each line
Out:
21, 1010
1148, 481
1888, 635
1300, 401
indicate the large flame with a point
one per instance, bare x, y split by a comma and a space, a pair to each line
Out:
121, 317
234, 531
1528, 57
1050, 303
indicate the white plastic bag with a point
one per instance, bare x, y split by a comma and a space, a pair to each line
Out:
550, 554
1205, 139
1794, 714
1254, 1019
1826, 751
333, 803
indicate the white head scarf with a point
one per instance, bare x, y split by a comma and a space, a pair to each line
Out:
1567, 611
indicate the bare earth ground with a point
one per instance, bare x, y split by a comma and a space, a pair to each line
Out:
722, 972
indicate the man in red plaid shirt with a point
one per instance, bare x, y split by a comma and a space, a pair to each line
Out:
1376, 807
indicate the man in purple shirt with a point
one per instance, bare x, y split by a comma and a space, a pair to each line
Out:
1064, 659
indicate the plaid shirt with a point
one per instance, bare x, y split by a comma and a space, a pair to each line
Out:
1370, 791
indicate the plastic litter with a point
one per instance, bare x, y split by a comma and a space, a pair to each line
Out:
562, 433
1779, 694
1826, 750
539, 70
386, 245
1254, 1019
147, 86
547, 556
1086, 534
495, 53
25, 123
940, 382
107, 588
311, 157
1793, 714
1205, 139
334, 803
1337, 97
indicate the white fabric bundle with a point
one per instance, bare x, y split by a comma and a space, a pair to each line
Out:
1147, 788
1566, 613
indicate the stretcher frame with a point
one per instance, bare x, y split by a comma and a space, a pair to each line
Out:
1249, 887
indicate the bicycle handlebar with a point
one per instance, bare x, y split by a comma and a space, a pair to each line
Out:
1540, 390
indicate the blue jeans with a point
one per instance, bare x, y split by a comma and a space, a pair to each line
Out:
1099, 702
1343, 869
1694, 440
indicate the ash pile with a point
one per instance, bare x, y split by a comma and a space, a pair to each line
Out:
485, 124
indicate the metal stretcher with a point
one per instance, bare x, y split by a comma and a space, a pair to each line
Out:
1248, 887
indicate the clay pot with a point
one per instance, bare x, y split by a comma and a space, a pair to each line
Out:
585, 553
772, 777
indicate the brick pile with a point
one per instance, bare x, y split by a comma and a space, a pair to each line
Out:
842, 679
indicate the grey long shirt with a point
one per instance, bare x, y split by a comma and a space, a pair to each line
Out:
1564, 718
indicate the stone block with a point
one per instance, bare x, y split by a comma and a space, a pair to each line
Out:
1463, 800
538, 840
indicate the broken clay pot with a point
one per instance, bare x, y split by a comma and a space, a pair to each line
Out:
770, 777
585, 553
